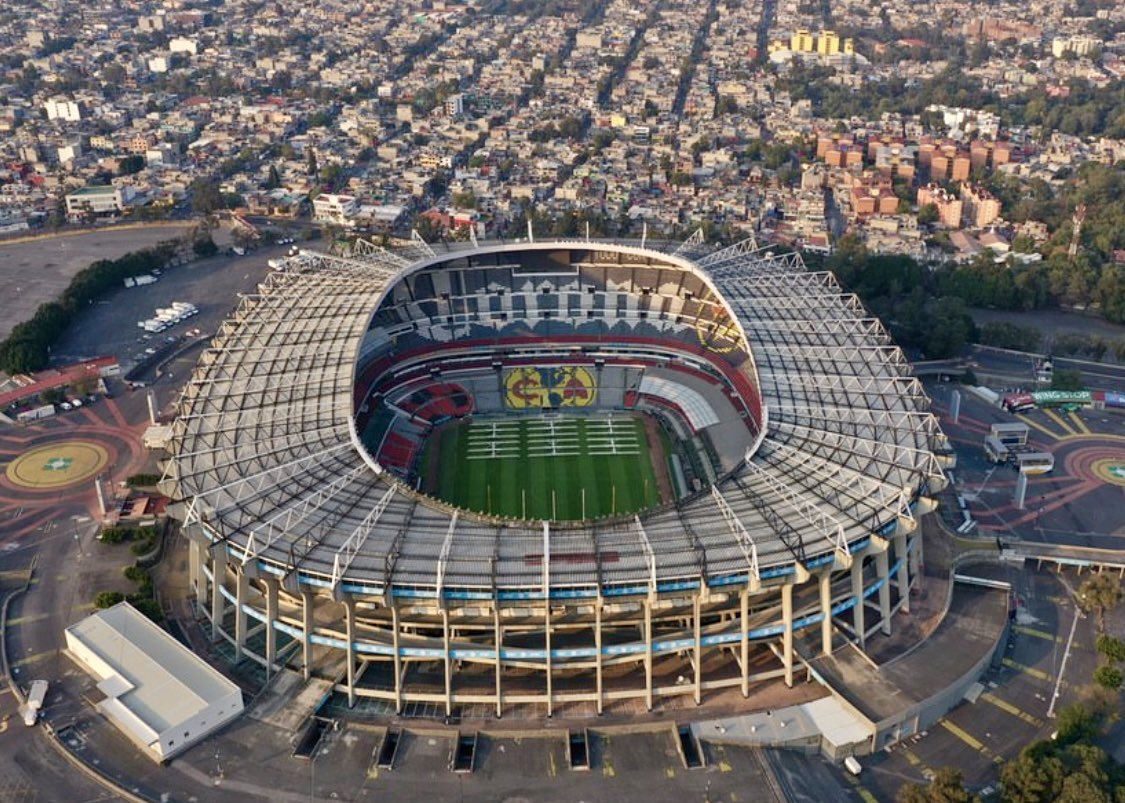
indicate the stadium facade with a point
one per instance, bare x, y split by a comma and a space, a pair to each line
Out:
295, 461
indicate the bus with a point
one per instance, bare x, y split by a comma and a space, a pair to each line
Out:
996, 450
1018, 402
1033, 463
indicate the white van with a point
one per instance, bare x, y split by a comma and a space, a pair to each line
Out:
853, 766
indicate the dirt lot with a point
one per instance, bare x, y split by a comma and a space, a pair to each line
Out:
36, 270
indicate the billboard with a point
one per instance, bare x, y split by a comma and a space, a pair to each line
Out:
557, 386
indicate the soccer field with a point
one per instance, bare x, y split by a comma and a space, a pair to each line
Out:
544, 468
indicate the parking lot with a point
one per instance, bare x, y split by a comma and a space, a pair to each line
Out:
38, 269
1012, 702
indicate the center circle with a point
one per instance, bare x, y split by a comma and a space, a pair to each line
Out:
1111, 470
57, 465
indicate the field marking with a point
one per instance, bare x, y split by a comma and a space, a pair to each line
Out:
1015, 711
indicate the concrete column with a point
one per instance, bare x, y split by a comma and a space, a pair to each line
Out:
448, 663
598, 652
882, 570
547, 644
858, 613
218, 575
787, 632
395, 643
241, 592
916, 557
648, 653
902, 575
196, 559
498, 640
271, 617
826, 610
308, 623
698, 649
745, 641
349, 629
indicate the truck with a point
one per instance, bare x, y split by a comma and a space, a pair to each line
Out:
35, 699
143, 279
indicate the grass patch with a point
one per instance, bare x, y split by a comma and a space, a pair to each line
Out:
563, 468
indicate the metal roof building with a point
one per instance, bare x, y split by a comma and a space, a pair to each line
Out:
289, 513
156, 691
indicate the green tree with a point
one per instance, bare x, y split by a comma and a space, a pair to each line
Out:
1109, 677
1099, 594
1112, 648
107, 599
1066, 379
927, 214
273, 180
205, 196
947, 786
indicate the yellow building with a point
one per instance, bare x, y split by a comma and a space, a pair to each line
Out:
828, 43
801, 42
849, 46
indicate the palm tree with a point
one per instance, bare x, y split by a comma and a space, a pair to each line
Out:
1099, 594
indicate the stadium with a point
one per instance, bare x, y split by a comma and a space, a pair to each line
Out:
564, 475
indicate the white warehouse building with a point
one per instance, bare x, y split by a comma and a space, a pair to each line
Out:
157, 692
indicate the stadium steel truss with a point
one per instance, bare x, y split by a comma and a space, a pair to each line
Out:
305, 552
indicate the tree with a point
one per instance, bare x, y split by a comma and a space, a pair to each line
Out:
947, 786
273, 180
205, 196
1099, 594
1109, 677
204, 246
107, 599
927, 214
311, 164
1112, 648
1066, 379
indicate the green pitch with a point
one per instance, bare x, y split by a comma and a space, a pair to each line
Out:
560, 468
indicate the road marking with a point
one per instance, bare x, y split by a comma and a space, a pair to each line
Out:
1048, 432
1043, 634
1004, 705
4, 723
1051, 414
26, 620
553, 770
31, 659
724, 767
607, 769
964, 736
1028, 670
1078, 422
670, 772
863, 793
916, 762
373, 773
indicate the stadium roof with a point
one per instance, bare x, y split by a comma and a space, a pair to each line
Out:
266, 457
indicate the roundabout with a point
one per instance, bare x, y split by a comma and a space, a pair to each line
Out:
57, 465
